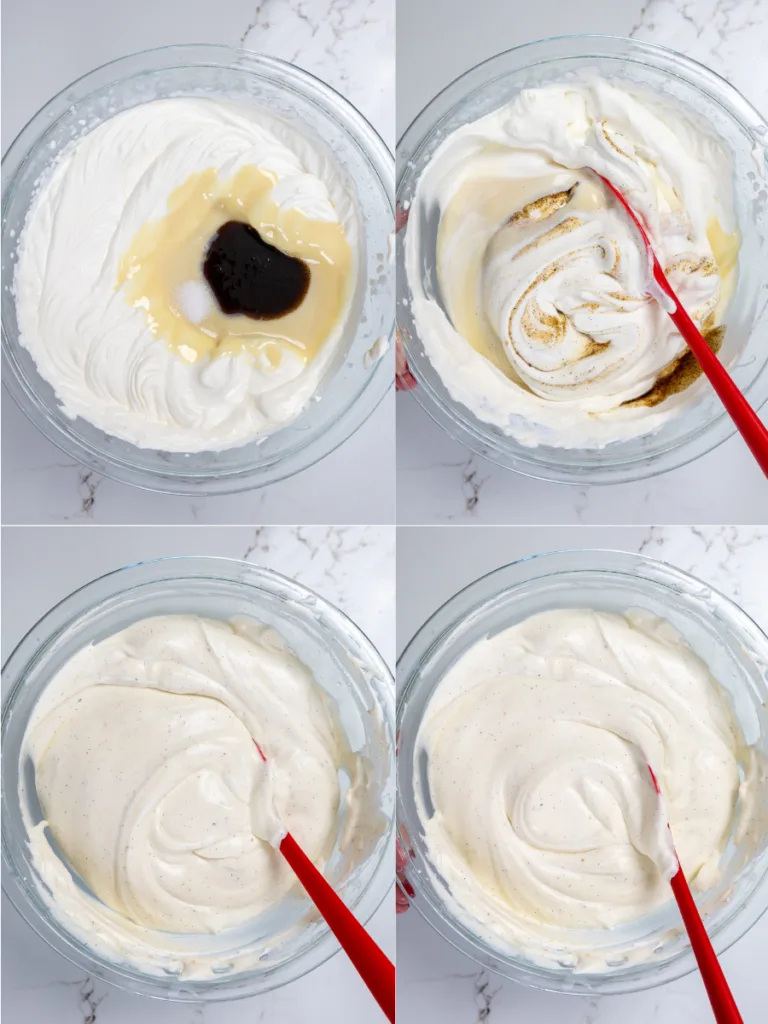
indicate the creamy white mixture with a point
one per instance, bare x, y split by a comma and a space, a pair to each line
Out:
548, 328
153, 789
546, 823
95, 348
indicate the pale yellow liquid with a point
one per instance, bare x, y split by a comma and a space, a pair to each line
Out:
169, 252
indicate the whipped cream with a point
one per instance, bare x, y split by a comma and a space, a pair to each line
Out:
153, 789
549, 326
98, 345
547, 827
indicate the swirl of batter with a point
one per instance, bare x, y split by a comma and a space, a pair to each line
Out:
552, 331
153, 789
540, 812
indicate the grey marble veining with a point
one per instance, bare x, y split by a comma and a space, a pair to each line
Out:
346, 43
728, 36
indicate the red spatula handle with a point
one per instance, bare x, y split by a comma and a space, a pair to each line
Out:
720, 996
372, 965
723, 1004
738, 408
744, 417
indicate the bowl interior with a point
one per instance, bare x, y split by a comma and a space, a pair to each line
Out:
730, 644
354, 381
701, 426
289, 938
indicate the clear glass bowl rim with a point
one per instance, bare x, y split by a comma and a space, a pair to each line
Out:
420, 649
71, 608
460, 425
302, 455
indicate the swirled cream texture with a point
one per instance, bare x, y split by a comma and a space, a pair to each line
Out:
153, 790
111, 299
540, 812
549, 330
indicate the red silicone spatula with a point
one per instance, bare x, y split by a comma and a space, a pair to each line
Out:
738, 408
376, 970
723, 1005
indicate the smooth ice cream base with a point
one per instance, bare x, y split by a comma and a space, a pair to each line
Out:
545, 835
155, 796
167, 256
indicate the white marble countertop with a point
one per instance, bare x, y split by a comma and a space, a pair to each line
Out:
438, 479
347, 43
434, 981
354, 568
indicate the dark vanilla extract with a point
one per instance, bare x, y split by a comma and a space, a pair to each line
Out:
250, 276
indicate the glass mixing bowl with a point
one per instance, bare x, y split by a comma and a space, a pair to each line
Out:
731, 644
359, 376
289, 939
702, 425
